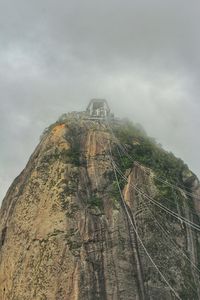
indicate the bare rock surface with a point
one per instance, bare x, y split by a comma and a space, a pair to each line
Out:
64, 234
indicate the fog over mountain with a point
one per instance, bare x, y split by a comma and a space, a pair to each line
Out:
142, 56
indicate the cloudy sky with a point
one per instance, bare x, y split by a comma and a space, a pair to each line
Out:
143, 56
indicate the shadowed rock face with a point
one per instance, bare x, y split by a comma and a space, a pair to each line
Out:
64, 233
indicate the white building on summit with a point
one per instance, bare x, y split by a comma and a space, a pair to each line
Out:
98, 109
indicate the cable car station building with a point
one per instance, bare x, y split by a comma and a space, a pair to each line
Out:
98, 109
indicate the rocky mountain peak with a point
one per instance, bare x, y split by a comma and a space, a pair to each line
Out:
97, 215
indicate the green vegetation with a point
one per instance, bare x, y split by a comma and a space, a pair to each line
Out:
95, 201
115, 189
148, 152
73, 153
127, 131
73, 156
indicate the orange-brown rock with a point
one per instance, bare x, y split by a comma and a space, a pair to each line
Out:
64, 234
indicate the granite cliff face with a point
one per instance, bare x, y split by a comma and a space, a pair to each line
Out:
64, 233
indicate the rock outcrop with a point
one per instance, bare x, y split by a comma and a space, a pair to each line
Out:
64, 233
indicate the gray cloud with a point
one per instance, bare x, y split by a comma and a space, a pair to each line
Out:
143, 56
